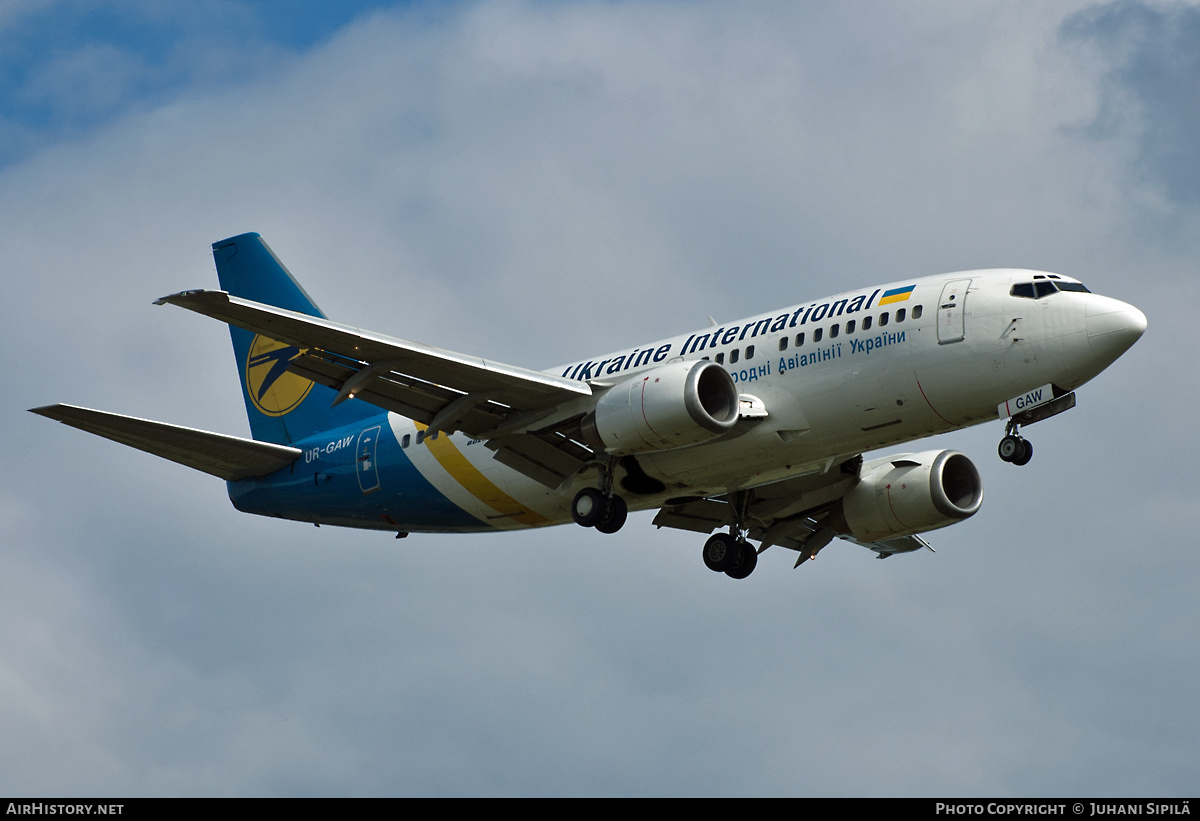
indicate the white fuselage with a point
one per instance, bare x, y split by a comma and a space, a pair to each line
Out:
837, 377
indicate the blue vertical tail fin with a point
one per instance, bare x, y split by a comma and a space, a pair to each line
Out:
283, 407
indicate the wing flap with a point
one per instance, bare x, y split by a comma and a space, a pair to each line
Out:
890, 547
411, 398
538, 459
698, 516
217, 454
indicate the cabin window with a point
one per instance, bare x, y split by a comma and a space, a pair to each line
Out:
833, 331
900, 315
866, 323
720, 359
883, 317
799, 340
733, 355
850, 327
749, 351
817, 335
405, 441
420, 436
916, 312
783, 340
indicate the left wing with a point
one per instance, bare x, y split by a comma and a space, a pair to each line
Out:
445, 390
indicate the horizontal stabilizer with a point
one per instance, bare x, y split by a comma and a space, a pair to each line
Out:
228, 457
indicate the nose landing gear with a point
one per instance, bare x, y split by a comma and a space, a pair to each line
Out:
1015, 448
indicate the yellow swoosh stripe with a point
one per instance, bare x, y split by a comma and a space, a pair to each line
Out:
478, 485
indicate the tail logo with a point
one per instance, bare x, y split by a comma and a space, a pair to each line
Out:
271, 387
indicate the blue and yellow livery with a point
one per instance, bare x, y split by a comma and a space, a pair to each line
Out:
896, 295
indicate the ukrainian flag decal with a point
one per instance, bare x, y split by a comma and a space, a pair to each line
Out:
270, 386
896, 295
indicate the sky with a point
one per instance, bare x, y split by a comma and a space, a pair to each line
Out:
537, 182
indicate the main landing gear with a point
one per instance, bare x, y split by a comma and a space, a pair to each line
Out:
730, 553
725, 553
1013, 447
592, 508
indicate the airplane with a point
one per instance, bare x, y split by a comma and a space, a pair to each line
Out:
755, 429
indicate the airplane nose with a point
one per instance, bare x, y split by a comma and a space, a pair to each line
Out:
1112, 326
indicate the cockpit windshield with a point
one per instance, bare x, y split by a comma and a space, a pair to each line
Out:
1044, 285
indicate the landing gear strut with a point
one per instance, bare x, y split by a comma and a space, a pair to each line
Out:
730, 553
1013, 447
613, 518
591, 508
600, 508
725, 553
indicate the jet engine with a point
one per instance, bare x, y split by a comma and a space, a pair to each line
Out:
911, 493
679, 404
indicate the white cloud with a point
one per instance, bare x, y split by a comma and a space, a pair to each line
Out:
535, 182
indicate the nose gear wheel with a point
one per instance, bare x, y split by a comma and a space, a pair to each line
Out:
1014, 448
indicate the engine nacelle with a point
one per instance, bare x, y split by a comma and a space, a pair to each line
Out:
679, 404
911, 493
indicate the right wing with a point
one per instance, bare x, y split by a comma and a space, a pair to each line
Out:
786, 513
229, 457
791, 513
445, 390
